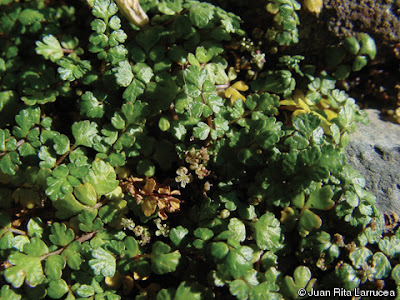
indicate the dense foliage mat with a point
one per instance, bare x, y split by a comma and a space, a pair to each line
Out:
154, 152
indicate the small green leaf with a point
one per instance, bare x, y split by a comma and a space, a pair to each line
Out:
135, 89
54, 266
359, 62
368, 45
7, 240
30, 16
309, 221
9, 163
60, 235
88, 221
193, 60
202, 55
346, 116
20, 241
335, 131
347, 276
219, 249
73, 255
301, 280
396, 274
123, 73
57, 184
321, 199
177, 235
98, 25
192, 291
306, 123
146, 167
131, 246
203, 233
162, 261
268, 232
148, 38
85, 291
390, 246
61, 144
36, 247
90, 106
298, 200
297, 141
26, 268
26, 149
50, 48
352, 45
84, 132
73, 68
57, 288
382, 265
179, 131
238, 229
117, 54
201, 131
170, 7
47, 156
118, 121
201, 14
220, 127
143, 72
115, 23
103, 263
104, 9
133, 111
360, 256
164, 124
240, 289
166, 294
116, 37
67, 206
102, 177
86, 194
35, 227
238, 261
9, 294
26, 119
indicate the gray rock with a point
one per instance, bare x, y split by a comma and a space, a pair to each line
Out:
374, 151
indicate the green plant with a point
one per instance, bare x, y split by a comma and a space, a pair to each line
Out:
361, 48
127, 172
286, 20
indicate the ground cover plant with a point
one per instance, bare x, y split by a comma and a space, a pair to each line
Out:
156, 151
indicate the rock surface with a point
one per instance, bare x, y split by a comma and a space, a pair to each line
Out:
374, 151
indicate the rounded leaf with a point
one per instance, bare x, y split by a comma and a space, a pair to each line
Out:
86, 194
382, 265
219, 249
360, 62
102, 177
368, 45
57, 289
162, 261
309, 221
352, 45
146, 167
268, 233
103, 263
164, 124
